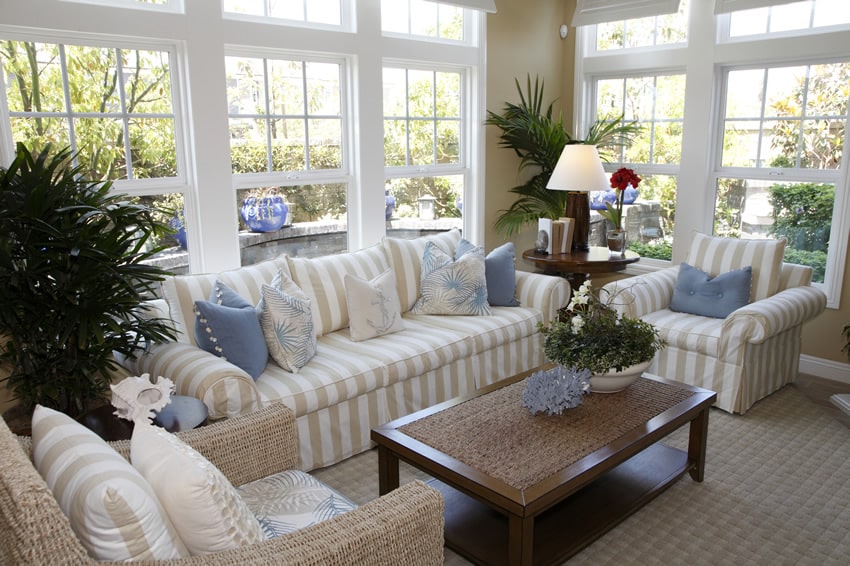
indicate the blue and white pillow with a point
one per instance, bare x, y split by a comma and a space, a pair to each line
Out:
286, 319
291, 500
227, 326
698, 293
500, 271
453, 288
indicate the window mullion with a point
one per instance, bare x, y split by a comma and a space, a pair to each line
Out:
66, 92
125, 117
268, 117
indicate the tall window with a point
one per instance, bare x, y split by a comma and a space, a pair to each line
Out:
112, 105
782, 141
423, 141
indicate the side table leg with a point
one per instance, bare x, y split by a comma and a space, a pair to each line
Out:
387, 471
520, 539
697, 444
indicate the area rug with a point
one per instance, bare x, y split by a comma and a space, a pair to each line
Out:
776, 491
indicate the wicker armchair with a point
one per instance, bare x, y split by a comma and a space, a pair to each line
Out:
403, 527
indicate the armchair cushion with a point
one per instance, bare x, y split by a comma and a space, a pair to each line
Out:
291, 500
716, 255
112, 509
699, 293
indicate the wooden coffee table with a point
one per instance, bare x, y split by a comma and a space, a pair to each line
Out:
523, 489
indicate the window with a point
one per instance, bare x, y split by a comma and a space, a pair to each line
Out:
782, 141
789, 17
751, 145
422, 18
112, 105
644, 32
292, 11
160, 5
423, 136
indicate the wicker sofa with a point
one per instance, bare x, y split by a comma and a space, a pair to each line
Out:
402, 527
349, 387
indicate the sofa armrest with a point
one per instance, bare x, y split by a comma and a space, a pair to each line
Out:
759, 321
547, 293
225, 389
635, 297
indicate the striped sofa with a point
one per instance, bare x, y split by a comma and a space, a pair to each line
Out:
349, 387
752, 352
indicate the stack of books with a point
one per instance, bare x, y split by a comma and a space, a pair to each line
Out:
559, 234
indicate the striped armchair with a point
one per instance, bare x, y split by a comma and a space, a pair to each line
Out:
747, 355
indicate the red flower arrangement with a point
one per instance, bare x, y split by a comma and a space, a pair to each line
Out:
620, 180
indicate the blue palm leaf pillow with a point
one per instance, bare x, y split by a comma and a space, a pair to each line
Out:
448, 287
286, 318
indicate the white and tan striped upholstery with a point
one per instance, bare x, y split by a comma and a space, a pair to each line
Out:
349, 387
323, 281
744, 357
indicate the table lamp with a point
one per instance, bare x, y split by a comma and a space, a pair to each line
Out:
579, 171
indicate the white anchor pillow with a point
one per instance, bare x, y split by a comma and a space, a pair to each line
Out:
374, 308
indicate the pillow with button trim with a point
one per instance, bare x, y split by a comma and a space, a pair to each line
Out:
698, 293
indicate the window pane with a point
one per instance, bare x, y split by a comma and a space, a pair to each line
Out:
38, 132
147, 81
644, 32
304, 103
425, 204
308, 11
421, 142
153, 146
395, 142
91, 91
789, 17
811, 104
422, 18
102, 160
315, 221
448, 136
175, 257
800, 212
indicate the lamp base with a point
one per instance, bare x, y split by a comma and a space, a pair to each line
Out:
578, 208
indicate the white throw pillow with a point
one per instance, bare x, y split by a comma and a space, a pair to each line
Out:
286, 317
112, 509
373, 306
448, 287
202, 504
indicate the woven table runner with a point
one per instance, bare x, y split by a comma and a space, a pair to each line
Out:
495, 434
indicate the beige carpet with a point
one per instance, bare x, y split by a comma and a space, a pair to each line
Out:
777, 491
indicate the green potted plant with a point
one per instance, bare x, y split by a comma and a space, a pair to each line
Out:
538, 137
73, 274
847, 340
590, 335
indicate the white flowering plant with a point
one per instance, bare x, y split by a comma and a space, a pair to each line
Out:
589, 334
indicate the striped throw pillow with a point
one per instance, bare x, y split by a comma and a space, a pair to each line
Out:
112, 509
715, 255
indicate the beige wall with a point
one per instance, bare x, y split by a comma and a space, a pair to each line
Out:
522, 38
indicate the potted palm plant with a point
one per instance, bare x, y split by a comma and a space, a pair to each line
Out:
73, 274
538, 137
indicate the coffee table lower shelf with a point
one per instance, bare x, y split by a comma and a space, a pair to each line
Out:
480, 534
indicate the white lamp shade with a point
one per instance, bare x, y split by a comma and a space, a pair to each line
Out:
579, 169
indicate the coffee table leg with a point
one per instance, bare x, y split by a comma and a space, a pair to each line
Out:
696, 445
520, 539
387, 470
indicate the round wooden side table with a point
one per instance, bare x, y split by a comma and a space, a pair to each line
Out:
182, 413
578, 265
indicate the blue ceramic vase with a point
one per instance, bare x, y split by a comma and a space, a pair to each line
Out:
264, 214
389, 204
178, 223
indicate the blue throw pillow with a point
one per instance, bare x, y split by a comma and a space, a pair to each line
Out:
228, 326
500, 272
698, 293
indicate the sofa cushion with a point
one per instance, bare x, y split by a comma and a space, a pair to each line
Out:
181, 291
228, 326
291, 500
405, 256
323, 281
716, 255
204, 507
373, 306
448, 287
286, 317
112, 509
500, 270
699, 293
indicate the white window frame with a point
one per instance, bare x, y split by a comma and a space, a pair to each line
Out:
172, 6
703, 59
345, 15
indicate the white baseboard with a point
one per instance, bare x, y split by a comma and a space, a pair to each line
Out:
827, 369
